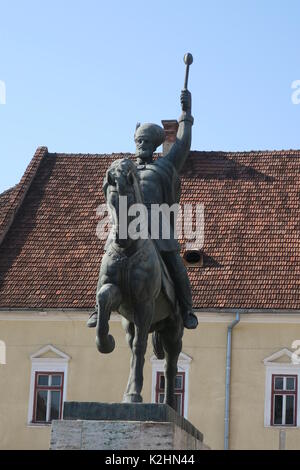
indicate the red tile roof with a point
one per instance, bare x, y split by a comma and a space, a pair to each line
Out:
11, 200
50, 256
6, 200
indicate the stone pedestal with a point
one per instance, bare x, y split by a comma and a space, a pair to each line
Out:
123, 426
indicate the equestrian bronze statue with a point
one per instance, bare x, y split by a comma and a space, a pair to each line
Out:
143, 277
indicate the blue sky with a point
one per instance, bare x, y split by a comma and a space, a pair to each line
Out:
80, 74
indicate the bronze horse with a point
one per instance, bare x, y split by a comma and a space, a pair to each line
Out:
134, 281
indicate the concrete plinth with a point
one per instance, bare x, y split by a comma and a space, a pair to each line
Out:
123, 426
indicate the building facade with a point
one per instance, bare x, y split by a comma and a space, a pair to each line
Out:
249, 271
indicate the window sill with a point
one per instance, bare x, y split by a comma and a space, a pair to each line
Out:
38, 425
278, 426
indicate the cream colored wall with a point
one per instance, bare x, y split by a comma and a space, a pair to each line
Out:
91, 376
207, 347
96, 377
252, 343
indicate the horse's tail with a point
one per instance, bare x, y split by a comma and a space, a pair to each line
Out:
157, 345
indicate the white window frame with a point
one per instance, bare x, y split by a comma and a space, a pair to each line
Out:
183, 366
47, 364
277, 368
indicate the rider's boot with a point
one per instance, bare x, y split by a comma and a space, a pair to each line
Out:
183, 288
190, 320
92, 321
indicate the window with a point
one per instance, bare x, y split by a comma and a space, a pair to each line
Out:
48, 385
48, 395
2, 352
181, 385
179, 390
284, 400
282, 390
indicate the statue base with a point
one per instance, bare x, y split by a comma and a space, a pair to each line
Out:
123, 426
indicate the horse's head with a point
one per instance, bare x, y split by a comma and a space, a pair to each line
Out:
122, 177
122, 190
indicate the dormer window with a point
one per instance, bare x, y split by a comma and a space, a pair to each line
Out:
193, 258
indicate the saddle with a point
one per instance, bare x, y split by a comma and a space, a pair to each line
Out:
168, 289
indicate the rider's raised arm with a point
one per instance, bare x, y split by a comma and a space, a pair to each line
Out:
181, 147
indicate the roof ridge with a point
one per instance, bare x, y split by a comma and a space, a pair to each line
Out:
64, 154
22, 189
247, 152
223, 152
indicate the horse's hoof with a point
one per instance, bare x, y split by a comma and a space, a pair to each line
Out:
171, 404
105, 346
132, 398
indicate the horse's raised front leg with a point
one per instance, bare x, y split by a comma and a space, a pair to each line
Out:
142, 318
108, 299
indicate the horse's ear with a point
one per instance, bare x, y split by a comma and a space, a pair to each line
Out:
106, 182
138, 124
130, 178
110, 179
105, 186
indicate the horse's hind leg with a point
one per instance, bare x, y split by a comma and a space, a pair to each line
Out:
129, 330
171, 338
108, 299
142, 318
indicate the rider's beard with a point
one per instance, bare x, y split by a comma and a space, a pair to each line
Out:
144, 155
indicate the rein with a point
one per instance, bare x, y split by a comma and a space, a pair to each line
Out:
125, 257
